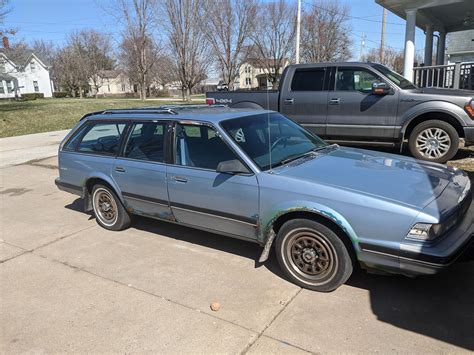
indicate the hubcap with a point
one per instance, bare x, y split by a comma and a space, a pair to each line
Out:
433, 143
105, 206
311, 256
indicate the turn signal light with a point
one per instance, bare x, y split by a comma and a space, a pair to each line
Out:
210, 101
470, 109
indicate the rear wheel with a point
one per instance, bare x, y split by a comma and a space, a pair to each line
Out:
434, 140
108, 209
312, 255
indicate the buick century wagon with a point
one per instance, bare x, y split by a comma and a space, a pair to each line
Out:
259, 176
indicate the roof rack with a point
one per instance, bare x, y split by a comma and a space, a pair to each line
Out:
161, 110
191, 107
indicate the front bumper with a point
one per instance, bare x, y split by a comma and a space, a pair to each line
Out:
413, 259
468, 136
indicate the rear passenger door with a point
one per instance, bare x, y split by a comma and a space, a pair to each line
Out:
140, 171
304, 98
202, 197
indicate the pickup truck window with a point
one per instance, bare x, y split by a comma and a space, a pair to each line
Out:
285, 140
352, 79
396, 78
308, 79
146, 142
200, 147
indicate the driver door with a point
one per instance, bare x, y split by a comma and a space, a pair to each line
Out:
200, 196
354, 113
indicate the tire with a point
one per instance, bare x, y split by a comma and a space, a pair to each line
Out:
108, 209
434, 140
314, 241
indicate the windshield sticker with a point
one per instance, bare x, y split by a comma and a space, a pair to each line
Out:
240, 136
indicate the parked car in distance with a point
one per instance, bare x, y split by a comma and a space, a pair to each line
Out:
366, 104
259, 176
221, 86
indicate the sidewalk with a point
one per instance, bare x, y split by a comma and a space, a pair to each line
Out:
19, 150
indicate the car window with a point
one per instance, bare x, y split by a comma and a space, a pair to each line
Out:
102, 138
204, 150
76, 138
146, 142
352, 79
271, 139
308, 79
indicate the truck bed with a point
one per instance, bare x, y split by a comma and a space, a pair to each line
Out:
263, 99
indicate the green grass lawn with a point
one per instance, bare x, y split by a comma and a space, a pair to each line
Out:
18, 118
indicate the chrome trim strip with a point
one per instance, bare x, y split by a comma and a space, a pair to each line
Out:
214, 215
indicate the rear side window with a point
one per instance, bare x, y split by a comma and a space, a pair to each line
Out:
308, 79
76, 138
102, 138
146, 142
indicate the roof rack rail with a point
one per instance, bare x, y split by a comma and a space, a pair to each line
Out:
140, 110
191, 107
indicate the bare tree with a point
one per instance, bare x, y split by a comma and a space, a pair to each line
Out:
45, 50
94, 49
325, 32
188, 42
393, 58
131, 62
68, 69
273, 37
227, 28
139, 18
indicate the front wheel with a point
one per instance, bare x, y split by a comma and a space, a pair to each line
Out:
434, 140
312, 255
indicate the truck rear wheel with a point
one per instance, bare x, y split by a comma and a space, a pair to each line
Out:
434, 140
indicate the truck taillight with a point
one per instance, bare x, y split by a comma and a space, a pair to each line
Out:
210, 101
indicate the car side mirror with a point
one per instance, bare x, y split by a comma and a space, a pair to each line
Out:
380, 88
234, 166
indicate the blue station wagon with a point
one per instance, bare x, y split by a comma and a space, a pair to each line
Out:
259, 176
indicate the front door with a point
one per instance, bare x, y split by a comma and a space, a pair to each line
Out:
140, 171
202, 197
304, 100
354, 113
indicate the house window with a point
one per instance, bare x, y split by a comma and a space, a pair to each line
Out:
9, 86
108, 87
2, 67
2, 89
123, 87
35, 85
33, 66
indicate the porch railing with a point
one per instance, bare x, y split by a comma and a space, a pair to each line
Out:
450, 76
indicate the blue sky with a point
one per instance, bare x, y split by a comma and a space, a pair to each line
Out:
54, 19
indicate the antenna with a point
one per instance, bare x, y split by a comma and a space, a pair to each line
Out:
268, 121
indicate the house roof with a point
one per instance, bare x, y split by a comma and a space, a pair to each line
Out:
20, 59
109, 74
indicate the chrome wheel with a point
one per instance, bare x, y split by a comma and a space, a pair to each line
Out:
433, 143
105, 207
311, 256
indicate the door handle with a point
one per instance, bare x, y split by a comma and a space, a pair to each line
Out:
289, 101
335, 101
119, 169
179, 179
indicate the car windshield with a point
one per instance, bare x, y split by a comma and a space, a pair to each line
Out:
396, 78
284, 142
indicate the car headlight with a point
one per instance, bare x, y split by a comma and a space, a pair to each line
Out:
425, 231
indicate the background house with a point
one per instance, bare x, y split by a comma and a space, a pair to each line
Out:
460, 47
110, 82
31, 76
253, 74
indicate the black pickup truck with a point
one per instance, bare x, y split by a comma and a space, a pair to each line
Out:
366, 104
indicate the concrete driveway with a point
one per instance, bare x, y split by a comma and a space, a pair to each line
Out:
67, 285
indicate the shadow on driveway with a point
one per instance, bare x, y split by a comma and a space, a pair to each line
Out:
439, 306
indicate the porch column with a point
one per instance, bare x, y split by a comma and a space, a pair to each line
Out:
428, 45
440, 48
409, 56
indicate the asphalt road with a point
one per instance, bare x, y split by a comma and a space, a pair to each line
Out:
67, 285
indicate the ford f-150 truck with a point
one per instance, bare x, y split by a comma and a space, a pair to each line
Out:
367, 104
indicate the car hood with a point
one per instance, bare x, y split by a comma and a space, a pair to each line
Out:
399, 179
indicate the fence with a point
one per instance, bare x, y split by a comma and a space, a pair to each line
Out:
450, 76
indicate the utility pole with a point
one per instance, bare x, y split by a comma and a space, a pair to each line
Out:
298, 30
382, 38
362, 45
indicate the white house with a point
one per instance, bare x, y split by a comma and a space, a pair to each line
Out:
21, 78
253, 74
110, 82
